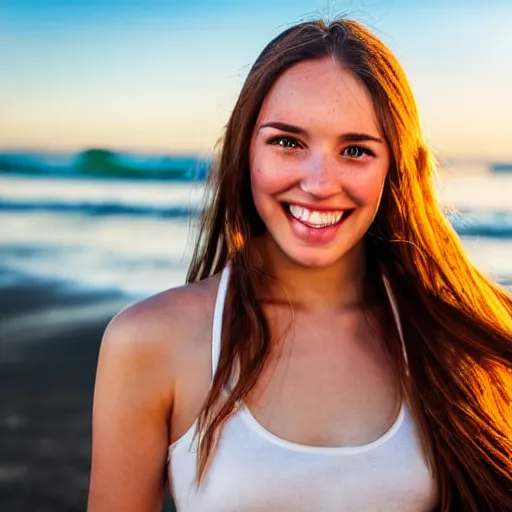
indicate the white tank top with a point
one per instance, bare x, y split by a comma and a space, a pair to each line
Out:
253, 470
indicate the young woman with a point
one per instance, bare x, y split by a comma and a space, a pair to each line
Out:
334, 349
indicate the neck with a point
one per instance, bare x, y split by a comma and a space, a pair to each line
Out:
311, 288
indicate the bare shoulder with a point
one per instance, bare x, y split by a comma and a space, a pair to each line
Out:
155, 344
141, 361
168, 321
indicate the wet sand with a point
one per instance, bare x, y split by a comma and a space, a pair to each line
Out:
49, 339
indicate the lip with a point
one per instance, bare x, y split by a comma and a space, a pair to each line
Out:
316, 236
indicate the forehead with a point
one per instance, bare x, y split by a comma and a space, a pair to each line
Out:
320, 92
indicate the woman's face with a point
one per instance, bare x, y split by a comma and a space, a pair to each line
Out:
318, 162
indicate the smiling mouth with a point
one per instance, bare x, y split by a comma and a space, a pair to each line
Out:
315, 219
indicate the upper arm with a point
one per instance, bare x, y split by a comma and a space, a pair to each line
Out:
132, 402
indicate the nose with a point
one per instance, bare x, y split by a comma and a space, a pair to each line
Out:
320, 178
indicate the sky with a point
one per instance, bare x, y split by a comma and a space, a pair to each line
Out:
162, 76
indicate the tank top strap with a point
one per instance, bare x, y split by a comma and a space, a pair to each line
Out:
217, 317
396, 316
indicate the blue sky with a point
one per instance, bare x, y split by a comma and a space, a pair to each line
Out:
163, 75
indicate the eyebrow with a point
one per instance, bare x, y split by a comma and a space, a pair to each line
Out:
344, 137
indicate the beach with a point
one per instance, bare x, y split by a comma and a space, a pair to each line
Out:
50, 335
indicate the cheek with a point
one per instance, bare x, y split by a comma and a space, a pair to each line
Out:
269, 178
366, 189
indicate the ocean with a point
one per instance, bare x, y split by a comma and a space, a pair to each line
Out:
105, 221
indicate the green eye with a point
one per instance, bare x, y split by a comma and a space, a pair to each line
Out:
284, 142
356, 152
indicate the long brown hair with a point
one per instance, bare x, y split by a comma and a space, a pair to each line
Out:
457, 324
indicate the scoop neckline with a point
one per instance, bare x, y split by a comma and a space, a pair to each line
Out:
245, 414
263, 432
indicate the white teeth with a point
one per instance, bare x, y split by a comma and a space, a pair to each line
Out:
315, 218
297, 211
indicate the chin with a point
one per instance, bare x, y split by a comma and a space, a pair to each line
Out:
314, 258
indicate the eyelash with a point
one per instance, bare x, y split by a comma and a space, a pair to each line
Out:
275, 141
